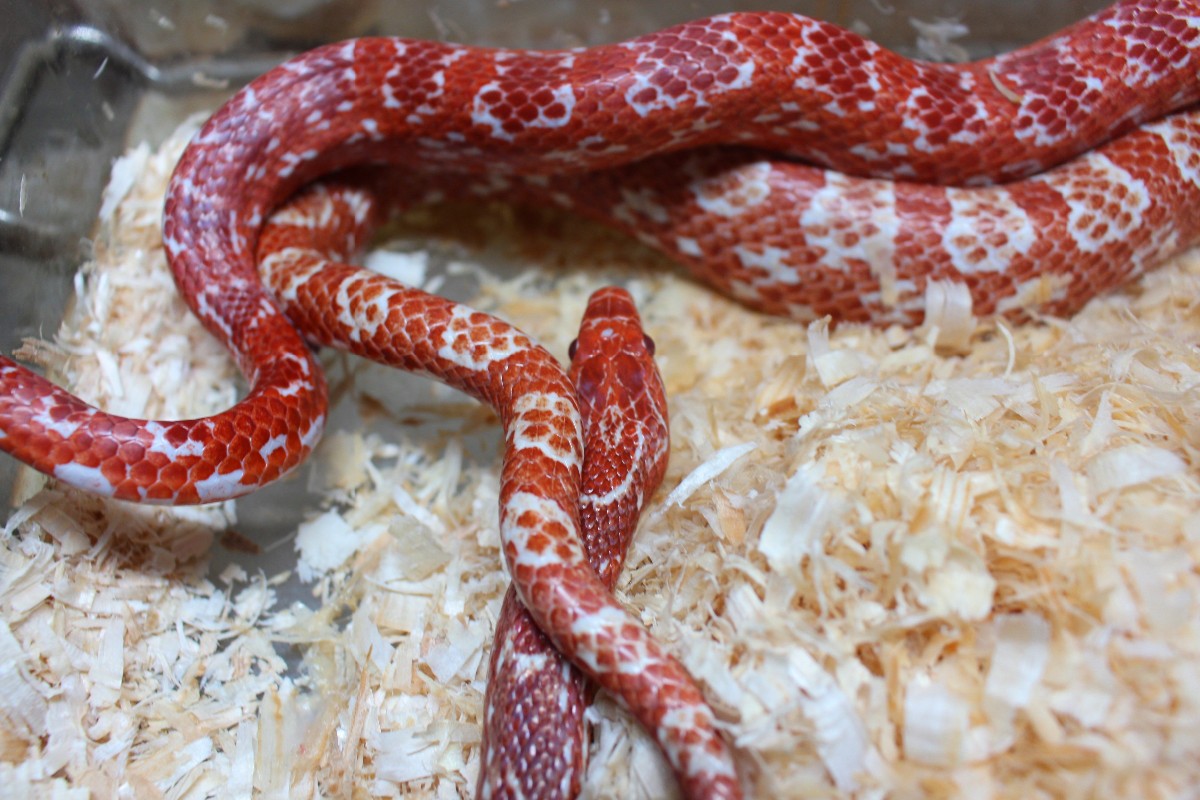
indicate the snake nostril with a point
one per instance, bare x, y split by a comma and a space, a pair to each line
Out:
649, 343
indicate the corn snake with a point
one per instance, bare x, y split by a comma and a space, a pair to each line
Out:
534, 742
1044, 243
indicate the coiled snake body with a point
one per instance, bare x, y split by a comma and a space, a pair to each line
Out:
534, 742
534, 713
781, 236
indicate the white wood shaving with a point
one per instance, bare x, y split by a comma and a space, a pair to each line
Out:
1019, 659
409, 268
717, 463
804, 514
949, 315
935, 723
954, 562
935, 40
1131, 465
325, 543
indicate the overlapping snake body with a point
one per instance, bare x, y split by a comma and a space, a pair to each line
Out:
541, 481
533, 737
781, 236
807, 88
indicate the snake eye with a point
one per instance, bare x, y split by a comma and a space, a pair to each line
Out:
574, 348
649, 343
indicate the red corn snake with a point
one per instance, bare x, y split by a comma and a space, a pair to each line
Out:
782, 237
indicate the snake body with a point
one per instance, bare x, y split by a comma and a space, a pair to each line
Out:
541, 480
804, 242
625, 114
798, 241
802, 87
533, 738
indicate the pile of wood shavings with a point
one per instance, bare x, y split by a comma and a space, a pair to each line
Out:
895, 570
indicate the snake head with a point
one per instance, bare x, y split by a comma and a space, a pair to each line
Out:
621, 394
612, 360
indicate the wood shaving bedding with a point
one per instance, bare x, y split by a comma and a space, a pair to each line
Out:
905, 563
